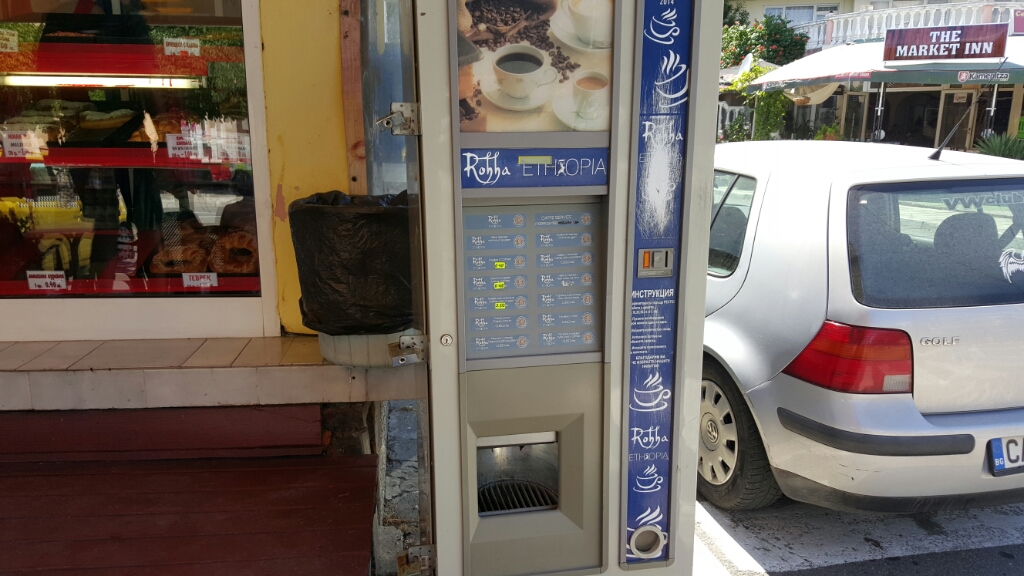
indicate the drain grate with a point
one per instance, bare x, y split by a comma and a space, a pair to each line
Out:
507, 496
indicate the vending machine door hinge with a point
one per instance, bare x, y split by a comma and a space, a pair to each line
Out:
418, 560
404, 119
409, 349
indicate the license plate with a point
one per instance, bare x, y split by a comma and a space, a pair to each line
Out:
1006, 455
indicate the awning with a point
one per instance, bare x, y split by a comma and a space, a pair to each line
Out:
863, 62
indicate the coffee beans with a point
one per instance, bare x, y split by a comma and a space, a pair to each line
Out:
503, 21
562, 63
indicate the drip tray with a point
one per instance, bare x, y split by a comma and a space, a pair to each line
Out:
507, 496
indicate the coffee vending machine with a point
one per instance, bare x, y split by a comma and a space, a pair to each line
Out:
566, 160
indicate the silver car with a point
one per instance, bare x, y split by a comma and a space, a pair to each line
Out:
864, 341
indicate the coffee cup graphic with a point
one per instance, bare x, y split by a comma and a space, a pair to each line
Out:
650, 396
520, 69
649, 481
592, 21
591, 94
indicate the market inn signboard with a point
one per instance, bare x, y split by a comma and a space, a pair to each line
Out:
946, 42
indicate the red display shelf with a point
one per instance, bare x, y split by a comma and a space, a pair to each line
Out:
133, 286
114, 158
112, 59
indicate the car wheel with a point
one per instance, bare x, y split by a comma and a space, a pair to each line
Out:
733, 469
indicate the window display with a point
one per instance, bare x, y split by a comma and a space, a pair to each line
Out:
126, 167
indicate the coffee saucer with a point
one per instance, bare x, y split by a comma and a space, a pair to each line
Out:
562, 28
539, 98
565, 109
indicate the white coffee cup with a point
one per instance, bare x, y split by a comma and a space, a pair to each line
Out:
520, 69
592, 21
591, 93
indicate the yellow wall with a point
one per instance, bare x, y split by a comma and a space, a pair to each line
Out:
305, 122
756, 7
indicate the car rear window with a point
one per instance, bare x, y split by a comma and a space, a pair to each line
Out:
937, 244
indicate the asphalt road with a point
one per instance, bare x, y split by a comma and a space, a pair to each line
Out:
795, 539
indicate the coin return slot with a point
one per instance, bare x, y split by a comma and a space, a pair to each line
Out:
517, 477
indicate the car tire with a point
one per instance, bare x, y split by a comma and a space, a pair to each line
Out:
748, 484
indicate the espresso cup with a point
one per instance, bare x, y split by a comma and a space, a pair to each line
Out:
520, 69
651, 398
591, 93
592, 21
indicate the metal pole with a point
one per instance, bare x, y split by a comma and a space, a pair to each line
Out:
991, 118
877, 134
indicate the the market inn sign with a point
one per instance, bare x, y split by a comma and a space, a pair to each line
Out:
946, 42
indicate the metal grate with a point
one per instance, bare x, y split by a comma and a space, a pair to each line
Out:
507, 496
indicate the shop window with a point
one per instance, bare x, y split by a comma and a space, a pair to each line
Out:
126, 166
802, 14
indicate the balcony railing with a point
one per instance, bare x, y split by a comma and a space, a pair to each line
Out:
872, 24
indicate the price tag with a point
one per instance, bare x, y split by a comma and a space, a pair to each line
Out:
499, 285
499, 265
182, 47
14, 144
44, 280
179, 146
499, 305
8, 41
199, 280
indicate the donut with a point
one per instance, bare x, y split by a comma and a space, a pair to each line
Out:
235, 253
178, 260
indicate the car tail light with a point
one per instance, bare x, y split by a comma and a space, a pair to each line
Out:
856, 360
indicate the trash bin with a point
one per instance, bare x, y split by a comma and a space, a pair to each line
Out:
353, 258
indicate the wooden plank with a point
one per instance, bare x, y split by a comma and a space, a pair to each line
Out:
352, 94
163, 429
217, 353
161, 454
355, 564
61, 356
169, 481
348, 499
253, 466
175, 550
36, 529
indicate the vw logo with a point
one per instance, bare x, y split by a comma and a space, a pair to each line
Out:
712, 429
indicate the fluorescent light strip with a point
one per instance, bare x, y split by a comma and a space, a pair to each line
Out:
101, 81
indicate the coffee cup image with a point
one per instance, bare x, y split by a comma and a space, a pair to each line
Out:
649, 481
591, 94
650, 400
520, 69
592, 21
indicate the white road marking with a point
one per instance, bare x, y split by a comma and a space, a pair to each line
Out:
794, 536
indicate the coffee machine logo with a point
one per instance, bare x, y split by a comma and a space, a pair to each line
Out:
484, 169
649, 481
650, 396
647, 438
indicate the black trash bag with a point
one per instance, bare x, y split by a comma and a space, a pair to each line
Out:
353, 259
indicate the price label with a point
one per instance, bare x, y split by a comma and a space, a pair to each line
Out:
199, 280
499, 305
180, 146
16, 144
43, 280
499, 285
8, 41
182, 47
499, 265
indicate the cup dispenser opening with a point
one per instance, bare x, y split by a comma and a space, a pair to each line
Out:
517, 474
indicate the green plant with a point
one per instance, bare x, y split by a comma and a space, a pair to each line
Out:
828, 132
771, 40
769, 107
738, 130
1002, 145
735, 12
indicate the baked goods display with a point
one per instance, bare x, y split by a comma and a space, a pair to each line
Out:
179, 260
189, 247
92, 120
166, 123
235, 253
